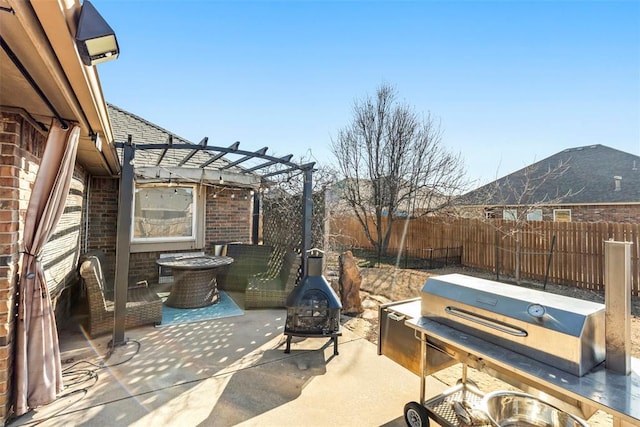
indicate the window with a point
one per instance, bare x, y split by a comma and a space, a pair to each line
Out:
489, 213
510, 214
534, 215
562, 215
164, 214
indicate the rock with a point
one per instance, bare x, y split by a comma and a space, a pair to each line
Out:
350, 281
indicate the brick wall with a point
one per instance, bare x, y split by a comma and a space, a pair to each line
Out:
613, 213
227, 219
21, 148
228, 216
594, 213
102, 216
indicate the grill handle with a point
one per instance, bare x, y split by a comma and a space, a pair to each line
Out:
472, 317
396, 317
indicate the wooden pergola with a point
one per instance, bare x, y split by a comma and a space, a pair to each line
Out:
206, 164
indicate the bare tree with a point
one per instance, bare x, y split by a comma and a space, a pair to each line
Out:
392, 163
521, 197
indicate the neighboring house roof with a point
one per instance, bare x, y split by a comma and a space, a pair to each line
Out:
595, 174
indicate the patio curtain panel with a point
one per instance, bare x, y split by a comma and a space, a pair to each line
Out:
38, 371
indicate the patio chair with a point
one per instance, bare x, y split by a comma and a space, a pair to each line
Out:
143, 305
270, 290
248, 260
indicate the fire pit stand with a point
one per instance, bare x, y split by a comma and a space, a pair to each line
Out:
334, 337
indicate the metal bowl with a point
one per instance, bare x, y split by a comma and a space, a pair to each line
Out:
508, 408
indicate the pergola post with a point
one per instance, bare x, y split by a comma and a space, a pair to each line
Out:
307, 217
123, 236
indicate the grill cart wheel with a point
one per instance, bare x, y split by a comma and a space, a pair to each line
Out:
416, 415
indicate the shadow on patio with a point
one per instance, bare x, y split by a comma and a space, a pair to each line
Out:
224, 372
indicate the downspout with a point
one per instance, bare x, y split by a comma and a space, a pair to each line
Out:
31, 24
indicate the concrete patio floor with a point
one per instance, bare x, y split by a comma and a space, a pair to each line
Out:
227, 372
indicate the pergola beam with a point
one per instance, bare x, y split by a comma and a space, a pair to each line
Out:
164, 152
232, 147
260, 152
226, 150
270, 163
305, 167
195, 175
188, 157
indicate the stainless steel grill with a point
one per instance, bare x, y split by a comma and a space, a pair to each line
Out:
564, 332
550, 346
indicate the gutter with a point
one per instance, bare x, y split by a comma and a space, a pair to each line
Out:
26, 13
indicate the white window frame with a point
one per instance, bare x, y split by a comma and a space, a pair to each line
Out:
195, 241
564, 211
489, 213
510, 214
534, 215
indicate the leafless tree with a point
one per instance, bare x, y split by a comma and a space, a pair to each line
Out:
392, 163
520, 196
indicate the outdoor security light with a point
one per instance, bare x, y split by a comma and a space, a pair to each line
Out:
95, 39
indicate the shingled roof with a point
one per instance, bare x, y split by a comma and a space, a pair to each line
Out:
596, 174
162, 156
143, 132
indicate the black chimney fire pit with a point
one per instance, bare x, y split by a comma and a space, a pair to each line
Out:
313, 308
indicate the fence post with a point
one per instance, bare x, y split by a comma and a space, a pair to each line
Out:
546, 274
497, 249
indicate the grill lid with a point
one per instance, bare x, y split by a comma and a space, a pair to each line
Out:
563, 331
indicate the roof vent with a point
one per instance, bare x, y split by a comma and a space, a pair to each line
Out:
617, 180
635, 168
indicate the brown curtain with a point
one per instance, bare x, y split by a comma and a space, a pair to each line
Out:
38, 372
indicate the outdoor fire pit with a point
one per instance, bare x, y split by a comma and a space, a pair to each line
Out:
313, 308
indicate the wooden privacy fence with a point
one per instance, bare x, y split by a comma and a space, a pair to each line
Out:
577, 255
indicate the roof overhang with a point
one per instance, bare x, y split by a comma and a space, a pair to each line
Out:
41, 36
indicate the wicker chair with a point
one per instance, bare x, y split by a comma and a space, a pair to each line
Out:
248, 260
271, 290
143, 305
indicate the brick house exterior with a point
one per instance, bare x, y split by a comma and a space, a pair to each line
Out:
227, 210
594, 183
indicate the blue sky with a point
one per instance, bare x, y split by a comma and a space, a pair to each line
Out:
511, 82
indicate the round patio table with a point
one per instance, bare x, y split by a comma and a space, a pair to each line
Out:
194, 279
